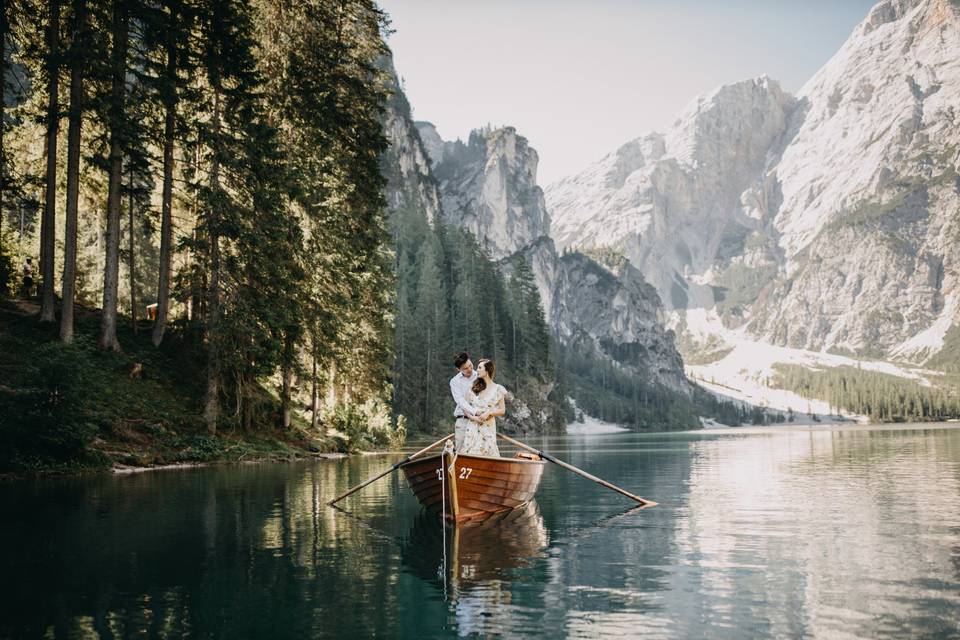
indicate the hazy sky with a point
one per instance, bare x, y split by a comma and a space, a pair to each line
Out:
579, 79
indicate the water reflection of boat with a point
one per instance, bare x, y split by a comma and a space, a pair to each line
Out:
467, 488
478, 552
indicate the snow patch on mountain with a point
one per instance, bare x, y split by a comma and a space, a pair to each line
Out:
825, 220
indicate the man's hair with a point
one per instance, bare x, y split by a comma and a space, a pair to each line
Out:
460, 359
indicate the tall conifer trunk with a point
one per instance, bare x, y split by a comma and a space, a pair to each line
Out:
4, 28
166, 203
212, 404
133, 258
313, 379
49, 221
77, 60
287, 376
111, 272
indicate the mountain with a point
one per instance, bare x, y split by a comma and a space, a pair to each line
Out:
611, 350
822, 221
488, 187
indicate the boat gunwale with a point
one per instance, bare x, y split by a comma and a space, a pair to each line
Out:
476, 457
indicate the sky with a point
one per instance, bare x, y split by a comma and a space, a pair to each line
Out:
580, 78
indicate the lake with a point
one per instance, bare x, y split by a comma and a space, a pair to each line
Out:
773, 532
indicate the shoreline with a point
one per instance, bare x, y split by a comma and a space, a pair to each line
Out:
123, 469
120, 469
592, 427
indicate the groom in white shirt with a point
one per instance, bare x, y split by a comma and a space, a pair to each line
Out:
459, 387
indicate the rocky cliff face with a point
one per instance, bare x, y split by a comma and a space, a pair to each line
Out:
406, 163
825, 220
603, 302
489, 187
671, 202
868, 209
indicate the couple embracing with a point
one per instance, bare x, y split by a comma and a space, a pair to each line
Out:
480, 401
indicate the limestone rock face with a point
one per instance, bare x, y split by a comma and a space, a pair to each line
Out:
671, 202
867, 212
489, 187
610, 307
406, 164
825, 220
433, 144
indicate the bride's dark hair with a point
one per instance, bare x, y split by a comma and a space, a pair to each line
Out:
480, 384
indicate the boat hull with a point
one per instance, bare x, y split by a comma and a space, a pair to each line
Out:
477, 487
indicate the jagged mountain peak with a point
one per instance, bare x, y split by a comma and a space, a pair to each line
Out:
670, 202
822, 221
432, 142
489, 186
889, 11
875, 110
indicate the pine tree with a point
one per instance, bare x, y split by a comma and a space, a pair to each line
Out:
48, 225
529, 336
175, 21
4, 180
79, 47
431, 310
117, 124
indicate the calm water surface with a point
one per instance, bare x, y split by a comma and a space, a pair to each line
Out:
835, 533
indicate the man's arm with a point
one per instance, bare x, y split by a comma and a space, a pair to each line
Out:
459, 397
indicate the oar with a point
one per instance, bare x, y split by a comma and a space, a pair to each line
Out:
390, 470
570, 467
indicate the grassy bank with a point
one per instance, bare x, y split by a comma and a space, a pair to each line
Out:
74, 408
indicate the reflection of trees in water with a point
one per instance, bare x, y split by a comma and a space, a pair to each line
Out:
604, 555
606, 566
248, 550
791, 533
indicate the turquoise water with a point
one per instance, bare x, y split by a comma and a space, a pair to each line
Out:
829, 533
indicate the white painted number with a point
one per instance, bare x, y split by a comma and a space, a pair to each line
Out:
465, 473
439, 474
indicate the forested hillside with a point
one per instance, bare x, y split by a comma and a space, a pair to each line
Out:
880, 396
220, 160
476, 271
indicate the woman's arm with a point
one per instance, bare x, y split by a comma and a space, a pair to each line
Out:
499, 410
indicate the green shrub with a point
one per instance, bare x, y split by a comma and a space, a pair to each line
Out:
47, 417
202, 447
367, 425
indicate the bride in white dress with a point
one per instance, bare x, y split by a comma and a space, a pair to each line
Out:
488, 400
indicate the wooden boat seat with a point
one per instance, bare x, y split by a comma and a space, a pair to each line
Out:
527, 456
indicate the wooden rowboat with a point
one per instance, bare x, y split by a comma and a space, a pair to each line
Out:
477, 487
